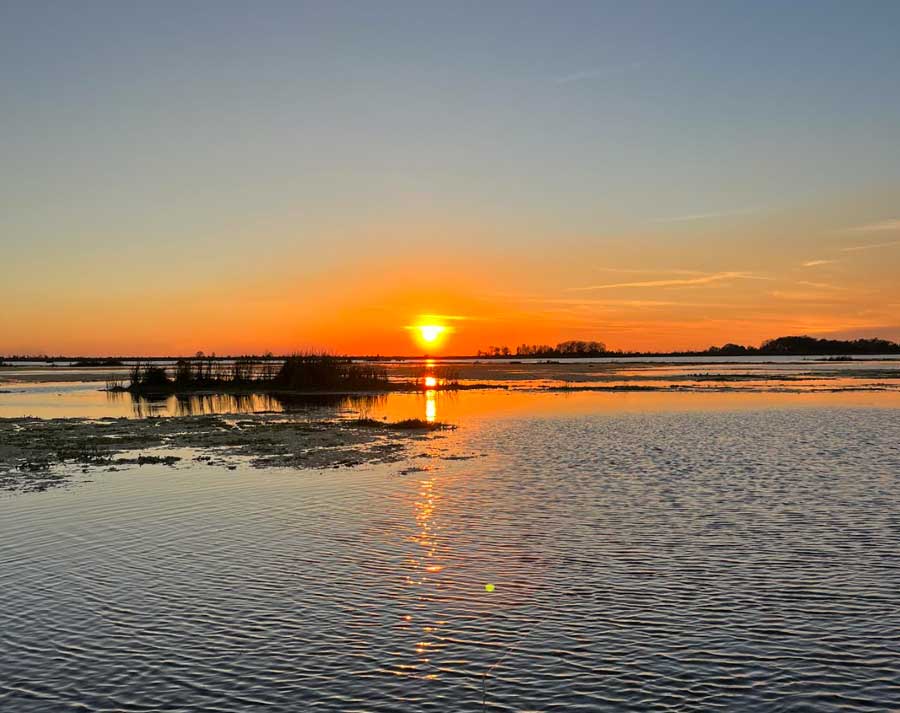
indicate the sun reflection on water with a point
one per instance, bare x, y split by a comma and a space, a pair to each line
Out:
427, 565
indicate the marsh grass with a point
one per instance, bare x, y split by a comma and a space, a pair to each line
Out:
300, 372
322, 371
409, 424
116, 385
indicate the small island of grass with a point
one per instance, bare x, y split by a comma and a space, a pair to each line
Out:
297, 374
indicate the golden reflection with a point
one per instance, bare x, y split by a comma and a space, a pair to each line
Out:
426, 570
431, 382
430, 406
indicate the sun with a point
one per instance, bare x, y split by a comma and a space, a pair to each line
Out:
431, 333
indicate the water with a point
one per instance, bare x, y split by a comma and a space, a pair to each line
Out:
693, 560
70, 391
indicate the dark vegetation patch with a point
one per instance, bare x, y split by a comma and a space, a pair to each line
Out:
302, 372
298, 374
409, 424
37, 454
780, 346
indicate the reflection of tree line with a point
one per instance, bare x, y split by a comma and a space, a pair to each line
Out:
200, 404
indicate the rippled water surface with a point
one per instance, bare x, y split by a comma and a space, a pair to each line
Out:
692, 561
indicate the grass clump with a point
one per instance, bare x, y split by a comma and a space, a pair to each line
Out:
409, 424
301, 372
323, 371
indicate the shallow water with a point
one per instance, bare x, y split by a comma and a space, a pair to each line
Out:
736, 559
587, 385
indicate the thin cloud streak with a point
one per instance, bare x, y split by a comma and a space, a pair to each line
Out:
447, 317
817, 297
816, 263
707, 216
689, 282
874, 246
820, 285
644, 271
880, 227
622, 303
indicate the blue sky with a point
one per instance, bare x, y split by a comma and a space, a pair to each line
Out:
156, 143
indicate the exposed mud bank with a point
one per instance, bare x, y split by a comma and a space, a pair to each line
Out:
37, 454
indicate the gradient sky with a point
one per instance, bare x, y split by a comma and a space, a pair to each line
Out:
253, 176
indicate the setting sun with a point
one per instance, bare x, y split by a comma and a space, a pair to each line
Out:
430, 333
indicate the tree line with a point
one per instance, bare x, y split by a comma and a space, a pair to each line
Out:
564, 349
781, 346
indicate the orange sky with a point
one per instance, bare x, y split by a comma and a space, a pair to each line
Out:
703, 282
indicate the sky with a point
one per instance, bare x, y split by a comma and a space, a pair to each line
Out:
241, 177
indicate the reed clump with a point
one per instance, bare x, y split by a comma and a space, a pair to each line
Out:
409, 424
300, 372
322, 371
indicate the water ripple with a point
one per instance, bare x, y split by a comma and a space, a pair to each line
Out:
691, 562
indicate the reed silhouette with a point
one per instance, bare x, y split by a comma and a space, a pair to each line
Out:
300, 372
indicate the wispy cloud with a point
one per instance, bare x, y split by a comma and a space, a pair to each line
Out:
645, 271
684, 282
580, 302
801, 296
816, 263
883, 226
820, 285
857, 248
707, 216
445, 317
596, 73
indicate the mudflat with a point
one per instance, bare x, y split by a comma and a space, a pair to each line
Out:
37, 454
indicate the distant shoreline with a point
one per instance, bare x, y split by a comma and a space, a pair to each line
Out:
610, 356
792, 346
